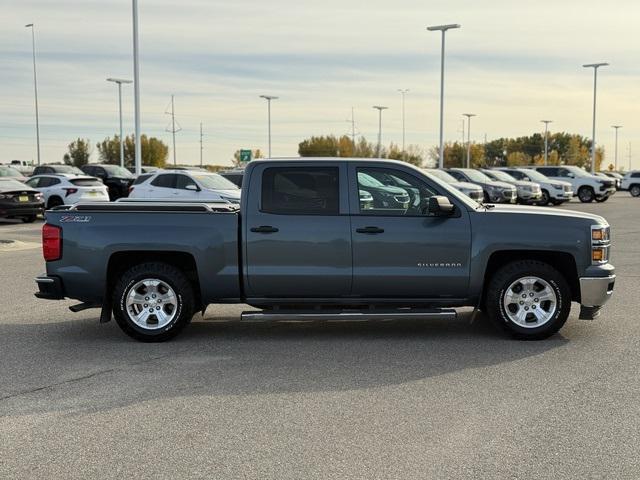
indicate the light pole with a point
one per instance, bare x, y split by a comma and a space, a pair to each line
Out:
380, 108
443, 29
595, 67
268, 98
546, 139
120, 81
616, 127
403, 92
35, 87
136, 90
469, 115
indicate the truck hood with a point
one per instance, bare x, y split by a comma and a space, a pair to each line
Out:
498, 184
540, 211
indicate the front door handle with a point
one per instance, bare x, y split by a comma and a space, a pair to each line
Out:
371, 230
264, 229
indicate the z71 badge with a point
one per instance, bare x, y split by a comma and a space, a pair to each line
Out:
75, 218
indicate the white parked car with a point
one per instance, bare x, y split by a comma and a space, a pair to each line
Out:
553, 191
185, 185
67, 189
631, 182
586, 186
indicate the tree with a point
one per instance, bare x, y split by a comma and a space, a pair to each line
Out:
79, 152
236, 156
154, 151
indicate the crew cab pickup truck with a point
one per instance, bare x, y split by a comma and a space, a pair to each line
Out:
305, 245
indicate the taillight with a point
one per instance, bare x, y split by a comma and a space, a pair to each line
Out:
51, 242
70, 191
130, 189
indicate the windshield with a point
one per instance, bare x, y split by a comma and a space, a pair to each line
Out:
498, 175
442, 175
66, 169
577, 171
368, 180
475, 175
116, 171
6, 185
9, 172
214, 181
534, 175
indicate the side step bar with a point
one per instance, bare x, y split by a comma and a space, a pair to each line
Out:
346, 315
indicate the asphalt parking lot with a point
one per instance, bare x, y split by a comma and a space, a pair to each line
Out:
401, 399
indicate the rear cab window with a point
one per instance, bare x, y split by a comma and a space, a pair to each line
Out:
301, 191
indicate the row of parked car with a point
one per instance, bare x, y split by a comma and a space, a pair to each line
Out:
54, 185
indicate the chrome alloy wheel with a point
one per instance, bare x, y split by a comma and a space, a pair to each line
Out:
530, 302
152, 304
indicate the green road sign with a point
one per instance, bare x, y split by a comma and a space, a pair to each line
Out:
245, 155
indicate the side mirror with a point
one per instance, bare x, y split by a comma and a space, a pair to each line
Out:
440, 206
570, 175
193, 187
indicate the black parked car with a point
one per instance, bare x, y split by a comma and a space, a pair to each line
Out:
17, 200
55, 169
116, 178
234, 176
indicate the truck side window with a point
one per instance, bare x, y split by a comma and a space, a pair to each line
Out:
386, 191
301, 191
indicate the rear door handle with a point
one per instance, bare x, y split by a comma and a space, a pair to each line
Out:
264, 229
370, 230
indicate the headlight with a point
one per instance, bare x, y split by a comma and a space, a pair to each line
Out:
557, 186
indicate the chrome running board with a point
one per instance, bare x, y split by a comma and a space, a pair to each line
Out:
347, 315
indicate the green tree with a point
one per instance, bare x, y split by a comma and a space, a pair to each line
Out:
79, 152
154, 151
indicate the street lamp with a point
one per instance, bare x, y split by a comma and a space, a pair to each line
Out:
380, 108
469, 115
443, 29
35, 87
268, 98
616, 127
595, 67
546, 139
403, 92
136, 90
120, 81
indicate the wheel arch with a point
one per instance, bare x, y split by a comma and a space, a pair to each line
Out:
119, 262
52, 197
564, 262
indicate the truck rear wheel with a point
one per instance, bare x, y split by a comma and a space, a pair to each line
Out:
528, 299
153, 302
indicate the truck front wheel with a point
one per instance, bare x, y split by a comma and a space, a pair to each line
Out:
153, 302
528, 299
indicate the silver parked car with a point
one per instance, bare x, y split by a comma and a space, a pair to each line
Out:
469, 189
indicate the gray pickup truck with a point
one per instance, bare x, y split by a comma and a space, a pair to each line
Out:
328, 239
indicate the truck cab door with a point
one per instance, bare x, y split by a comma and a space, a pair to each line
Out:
400, 250
296, 231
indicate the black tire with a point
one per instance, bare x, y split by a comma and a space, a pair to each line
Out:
544, 201
557, 202
634, 190
174, 278
586, 194
54, 202
29, 219
602, 199
510, 273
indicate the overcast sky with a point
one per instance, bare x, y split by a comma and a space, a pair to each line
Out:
512, 63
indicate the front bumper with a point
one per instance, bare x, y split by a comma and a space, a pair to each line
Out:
49, 288
606, 193
563, 195
594, 293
